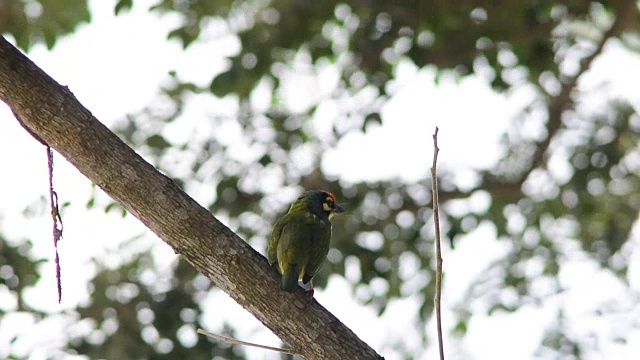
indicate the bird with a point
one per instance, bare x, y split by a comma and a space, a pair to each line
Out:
301, 238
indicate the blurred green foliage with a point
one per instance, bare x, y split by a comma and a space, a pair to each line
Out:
141, 316
524, 43
18, 271
44, 21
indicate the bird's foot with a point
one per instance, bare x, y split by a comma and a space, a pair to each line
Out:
310, 291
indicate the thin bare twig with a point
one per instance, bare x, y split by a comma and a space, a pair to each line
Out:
53, 201
57, 220
239, 342
436, 221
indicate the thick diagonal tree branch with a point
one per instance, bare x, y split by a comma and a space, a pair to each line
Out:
53, 114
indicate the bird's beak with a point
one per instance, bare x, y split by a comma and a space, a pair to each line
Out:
337, 209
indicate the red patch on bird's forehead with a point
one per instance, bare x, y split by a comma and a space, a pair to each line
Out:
331, 196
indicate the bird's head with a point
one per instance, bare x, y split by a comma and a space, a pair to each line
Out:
321, 203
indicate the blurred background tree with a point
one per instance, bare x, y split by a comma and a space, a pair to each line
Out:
262, 145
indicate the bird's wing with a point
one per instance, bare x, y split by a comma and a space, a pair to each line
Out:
275, 238
295, 241
320, 243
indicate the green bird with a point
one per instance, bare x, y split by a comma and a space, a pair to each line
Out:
300, 239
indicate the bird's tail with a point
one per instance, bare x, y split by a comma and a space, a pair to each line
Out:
290, 278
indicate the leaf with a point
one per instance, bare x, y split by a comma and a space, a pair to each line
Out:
122, 5
186, 34
460, 328
109, 207
371, 119
157, 141
224, 84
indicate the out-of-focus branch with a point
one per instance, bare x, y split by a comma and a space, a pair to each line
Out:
563, 101
232, 341
557, 105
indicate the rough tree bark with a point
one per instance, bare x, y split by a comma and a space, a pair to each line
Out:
52, 112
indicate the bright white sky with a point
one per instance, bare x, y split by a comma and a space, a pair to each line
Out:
471, 119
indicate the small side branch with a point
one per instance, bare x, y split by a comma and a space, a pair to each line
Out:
436, 221
245, 343
57, 220
53, 203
